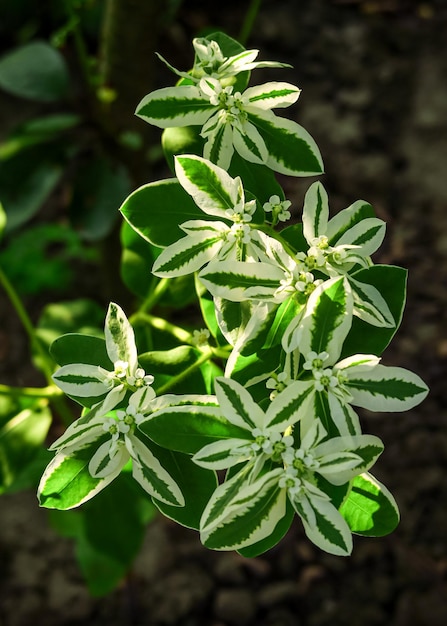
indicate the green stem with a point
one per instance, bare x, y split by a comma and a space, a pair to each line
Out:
47, 363
161, 324
206, 356
155, 295
249, 20
81, 49
49, 392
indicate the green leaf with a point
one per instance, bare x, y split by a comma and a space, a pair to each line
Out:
166, 364
391, 282
370, 509
257, 179
67, 482
188, 255
21, 438
76, 348
107, 537
26, 182
99, 188
120, 338
197, 486
291, 149
181, 140
189, 428
238, 281
156, 210
36, 71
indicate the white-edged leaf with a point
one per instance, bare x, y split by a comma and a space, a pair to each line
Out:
148, 471
175, 106
315, 212
108, 459
249, 517
79, 434
270, 96
238, 280
237, 405
343, 416
67, 483
346, 219
120, 338
291, 149
219, 145
367, 234
370, 306
342, 458
249, 144
80, 379
187, 255
385, 388
223, 454
324, 525
327, 319
289, 406
211, 187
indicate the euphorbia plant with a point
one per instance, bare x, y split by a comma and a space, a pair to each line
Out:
295, 319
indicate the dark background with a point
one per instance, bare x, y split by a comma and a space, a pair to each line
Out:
374, 96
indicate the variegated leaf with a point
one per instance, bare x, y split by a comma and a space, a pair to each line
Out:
250, 144
187, 255
80, 379
223, 454
79, 433
148, 471
370, 306
250, 516
324, 525
238, 281
343, 416
67, 482
327, 319
368, 234
289, 406
291, 149
211, 187
108, 459
120, 338
270, 96
342, 458
384, 388
346, 219
175, 106
237, 405
219, 146
315, 212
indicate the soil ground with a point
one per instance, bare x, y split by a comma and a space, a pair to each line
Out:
374, 81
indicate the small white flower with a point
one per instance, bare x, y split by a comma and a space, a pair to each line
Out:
315, 361
200, 337
278, 208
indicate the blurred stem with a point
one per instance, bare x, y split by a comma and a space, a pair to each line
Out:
47, 362
81, 49
249, 21
49, 392
155, 295
161, 324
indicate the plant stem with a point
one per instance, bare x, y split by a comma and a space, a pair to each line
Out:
49, 392
47, 363
155, 295
249, 20
206, 356
161, 324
